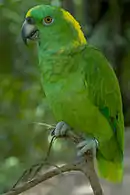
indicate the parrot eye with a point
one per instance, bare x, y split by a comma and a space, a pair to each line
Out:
47, 20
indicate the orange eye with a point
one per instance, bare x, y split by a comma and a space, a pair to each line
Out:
47, 20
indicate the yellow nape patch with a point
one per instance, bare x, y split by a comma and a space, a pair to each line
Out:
76, 25
69, 17
30, 10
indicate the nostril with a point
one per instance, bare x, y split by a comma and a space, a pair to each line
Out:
30, 20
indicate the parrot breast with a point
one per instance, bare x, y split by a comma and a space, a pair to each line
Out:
70, 102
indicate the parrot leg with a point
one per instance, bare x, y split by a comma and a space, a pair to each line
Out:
61, 129
88, 144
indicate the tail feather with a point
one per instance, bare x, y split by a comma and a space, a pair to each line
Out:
112, 171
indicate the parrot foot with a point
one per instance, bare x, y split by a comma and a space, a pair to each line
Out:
88, 144
60, 129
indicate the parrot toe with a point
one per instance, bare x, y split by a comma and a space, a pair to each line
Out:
88, 144
61, 129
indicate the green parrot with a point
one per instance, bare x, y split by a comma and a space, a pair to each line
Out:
80, 86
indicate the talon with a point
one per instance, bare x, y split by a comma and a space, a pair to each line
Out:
61, 129
88, 144
52, 132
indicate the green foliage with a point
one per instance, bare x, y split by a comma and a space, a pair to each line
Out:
21, 96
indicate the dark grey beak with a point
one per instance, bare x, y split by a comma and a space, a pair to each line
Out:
29, 30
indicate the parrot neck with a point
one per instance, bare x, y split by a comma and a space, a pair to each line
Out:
59, 63
57, 56
61, 46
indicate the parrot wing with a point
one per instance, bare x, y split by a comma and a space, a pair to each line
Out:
104, 90
105, 93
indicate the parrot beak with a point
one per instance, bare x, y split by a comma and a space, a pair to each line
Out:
29, 30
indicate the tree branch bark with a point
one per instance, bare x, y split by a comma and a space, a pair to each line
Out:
87, 167
49, 174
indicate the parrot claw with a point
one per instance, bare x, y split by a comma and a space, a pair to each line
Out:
88, 144
60, 129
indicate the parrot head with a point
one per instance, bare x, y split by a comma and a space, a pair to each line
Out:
51, 27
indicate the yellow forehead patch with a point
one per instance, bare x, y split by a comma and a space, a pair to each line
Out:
28, 14
30, 10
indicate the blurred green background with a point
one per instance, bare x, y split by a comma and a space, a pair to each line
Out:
106, 24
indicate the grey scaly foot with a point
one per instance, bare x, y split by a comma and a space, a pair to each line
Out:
88, 144
61, 129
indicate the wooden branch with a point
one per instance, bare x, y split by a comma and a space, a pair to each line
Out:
87, 167
30, 184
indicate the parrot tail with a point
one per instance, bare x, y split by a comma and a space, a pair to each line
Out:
112, 171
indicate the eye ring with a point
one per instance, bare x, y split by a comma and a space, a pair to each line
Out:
48, 20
